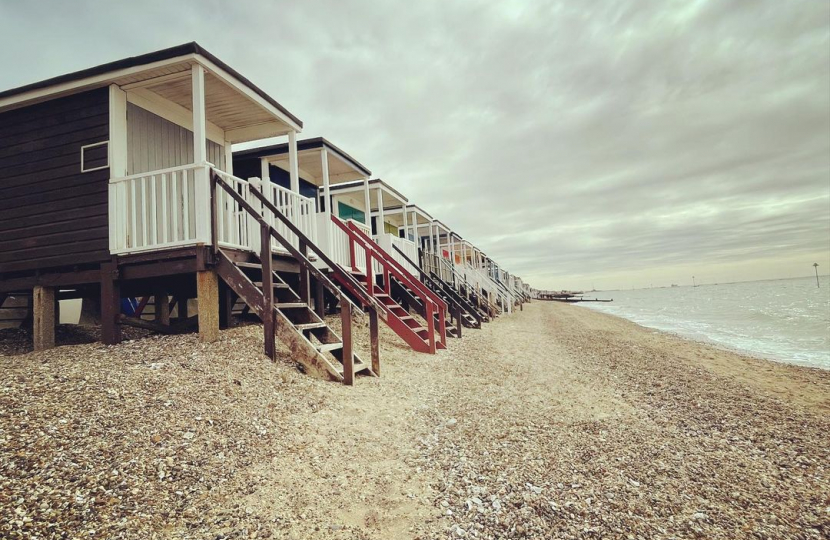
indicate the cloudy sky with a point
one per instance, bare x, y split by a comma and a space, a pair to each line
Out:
613, 144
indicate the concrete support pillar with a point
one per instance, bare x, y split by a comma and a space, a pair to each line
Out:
207, 290
43, 305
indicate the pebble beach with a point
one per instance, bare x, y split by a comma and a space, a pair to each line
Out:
557, 422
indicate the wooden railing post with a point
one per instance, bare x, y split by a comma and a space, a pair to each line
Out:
373, 339
348, 355
305, 278
320, 299
370, 274
214, 225
442, 326
352, 257
431, 325
268, 318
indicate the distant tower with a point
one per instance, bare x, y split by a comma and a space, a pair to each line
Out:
815, 266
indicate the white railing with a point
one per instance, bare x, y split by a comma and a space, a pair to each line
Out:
301, 211
235, 227
171, 207
479, 278
335, 242
386, 241
238, 229
154, 210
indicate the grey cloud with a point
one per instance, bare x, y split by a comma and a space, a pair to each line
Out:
558, 136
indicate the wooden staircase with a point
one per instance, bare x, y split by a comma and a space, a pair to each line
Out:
464, 313
483, 309
313, 344
286, 313
408, 299
419, 337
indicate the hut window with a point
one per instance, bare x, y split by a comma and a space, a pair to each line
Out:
94, 157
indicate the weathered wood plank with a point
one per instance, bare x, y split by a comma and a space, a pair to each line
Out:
346, 335
43, 331
207, 287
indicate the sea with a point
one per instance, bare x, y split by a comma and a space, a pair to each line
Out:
787, 320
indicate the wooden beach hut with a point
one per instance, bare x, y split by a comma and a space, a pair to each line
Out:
117, 181
345, 232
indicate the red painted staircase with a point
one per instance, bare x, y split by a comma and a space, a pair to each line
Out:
425, 335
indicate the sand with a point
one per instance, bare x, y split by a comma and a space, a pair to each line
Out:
554, 422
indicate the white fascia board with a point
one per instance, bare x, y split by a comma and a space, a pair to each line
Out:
398, 197
69, 87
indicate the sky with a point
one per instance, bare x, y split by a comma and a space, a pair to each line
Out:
601, 144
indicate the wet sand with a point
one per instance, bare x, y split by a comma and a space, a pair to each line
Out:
555, 422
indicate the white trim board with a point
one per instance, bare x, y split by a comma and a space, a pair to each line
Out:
59, 90
172, 112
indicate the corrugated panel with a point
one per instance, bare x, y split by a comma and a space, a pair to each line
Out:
156, 143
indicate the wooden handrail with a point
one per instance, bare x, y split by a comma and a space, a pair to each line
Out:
404, 274
301, 258
460, 301
302, 238
504, 290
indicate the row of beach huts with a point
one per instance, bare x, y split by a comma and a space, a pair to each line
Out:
119, 188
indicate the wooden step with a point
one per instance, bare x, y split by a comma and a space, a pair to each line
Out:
291, 305
277, 285
249, 265
326, 347
310, 326
358, 367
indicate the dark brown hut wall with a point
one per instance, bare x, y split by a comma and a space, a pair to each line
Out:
51, 213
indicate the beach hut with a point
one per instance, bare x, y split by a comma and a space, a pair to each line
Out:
117, 182
370, 210
342, 228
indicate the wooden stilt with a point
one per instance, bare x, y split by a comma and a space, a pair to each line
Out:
305, 278
207, 287
43, 303
181, 306
374, 339
57, 309
162, 305
346, 335
225, 306
110, 304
